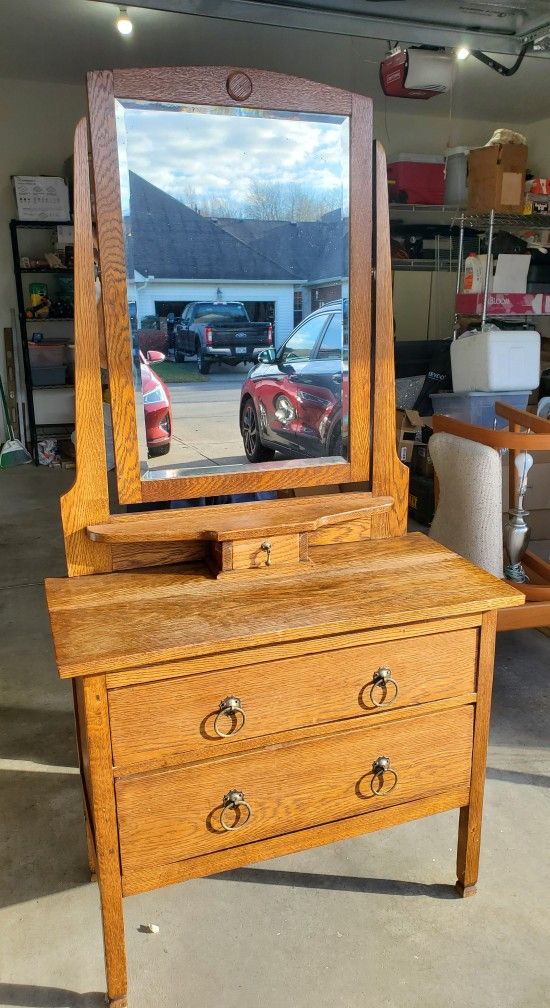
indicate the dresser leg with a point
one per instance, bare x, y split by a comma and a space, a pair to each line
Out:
106, 838
467, 856
469, 823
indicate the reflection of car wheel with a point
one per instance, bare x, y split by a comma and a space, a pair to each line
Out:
336, 445
202, 363
179, 355
155, 450
253, 447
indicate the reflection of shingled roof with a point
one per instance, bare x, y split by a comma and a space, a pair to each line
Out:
172, 241
311, 250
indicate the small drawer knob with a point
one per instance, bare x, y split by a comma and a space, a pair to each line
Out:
231, 708
384, 690
267, 548
234, 801
384, 778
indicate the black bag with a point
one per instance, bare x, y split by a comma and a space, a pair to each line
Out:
438, 378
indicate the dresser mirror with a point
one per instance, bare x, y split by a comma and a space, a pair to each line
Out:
238, 336
236, 230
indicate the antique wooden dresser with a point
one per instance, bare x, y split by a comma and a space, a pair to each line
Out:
252, 679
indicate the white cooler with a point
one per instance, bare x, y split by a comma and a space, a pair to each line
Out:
496, 360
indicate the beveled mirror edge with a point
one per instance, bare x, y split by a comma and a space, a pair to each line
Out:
208, 85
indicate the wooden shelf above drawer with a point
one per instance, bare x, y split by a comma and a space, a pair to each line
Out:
231, 522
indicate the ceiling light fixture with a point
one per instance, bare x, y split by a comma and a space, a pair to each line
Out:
123, 22
462, 53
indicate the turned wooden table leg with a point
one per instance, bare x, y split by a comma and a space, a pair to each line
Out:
106, 838
469, 826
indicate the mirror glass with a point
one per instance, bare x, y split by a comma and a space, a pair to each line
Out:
236, 231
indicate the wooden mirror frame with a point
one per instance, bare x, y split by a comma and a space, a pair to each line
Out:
234, 88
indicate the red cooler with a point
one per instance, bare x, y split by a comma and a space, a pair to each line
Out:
417, 178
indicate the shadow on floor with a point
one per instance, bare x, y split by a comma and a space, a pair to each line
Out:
31, 996
40, 736
518, 777
43, 848
338, 883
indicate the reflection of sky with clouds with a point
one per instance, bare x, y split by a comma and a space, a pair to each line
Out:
217, 154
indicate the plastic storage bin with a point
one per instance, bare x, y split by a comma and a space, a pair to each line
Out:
418, 178
49, 374
477, 407
47, 354
496, 360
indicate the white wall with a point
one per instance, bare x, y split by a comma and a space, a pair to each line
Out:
37, 122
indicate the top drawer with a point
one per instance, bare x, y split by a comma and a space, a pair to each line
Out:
151, 722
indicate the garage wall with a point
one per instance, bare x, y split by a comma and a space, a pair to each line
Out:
37, 122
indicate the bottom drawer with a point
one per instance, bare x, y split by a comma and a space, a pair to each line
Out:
176, 814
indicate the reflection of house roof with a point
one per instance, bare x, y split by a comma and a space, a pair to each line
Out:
172, 241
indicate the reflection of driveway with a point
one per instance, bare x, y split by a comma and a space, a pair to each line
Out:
205, 421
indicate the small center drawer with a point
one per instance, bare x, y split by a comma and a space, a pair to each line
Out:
182, 715
171, 815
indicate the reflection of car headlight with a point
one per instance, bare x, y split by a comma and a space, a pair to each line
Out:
284, 410
154, 396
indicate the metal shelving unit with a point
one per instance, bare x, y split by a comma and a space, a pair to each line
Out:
62, 427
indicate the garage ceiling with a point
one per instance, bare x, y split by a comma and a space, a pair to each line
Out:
61, 39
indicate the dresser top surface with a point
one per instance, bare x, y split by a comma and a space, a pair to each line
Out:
105, 622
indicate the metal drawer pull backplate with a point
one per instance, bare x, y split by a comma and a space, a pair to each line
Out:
384, 681
231, 708
234, 800
380, 768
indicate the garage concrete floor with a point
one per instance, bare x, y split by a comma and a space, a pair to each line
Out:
367, 922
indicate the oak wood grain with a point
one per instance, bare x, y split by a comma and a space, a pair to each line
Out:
128, 556
207, 85
145, 879
387, 469
164, 759
492, 438
118, 620
232, 522
179, 715
169, 815
88, 499
360, 289
101, 111
469, 828
226, 660
96, 717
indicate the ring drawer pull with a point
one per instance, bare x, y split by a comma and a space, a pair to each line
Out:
380, 768
234, 800
383, 679
230, 707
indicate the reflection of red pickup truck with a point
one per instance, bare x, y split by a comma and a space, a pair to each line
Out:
219, 331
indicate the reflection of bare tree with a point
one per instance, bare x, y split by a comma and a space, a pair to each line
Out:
277, 201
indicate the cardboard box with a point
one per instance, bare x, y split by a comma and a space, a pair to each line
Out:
410, 428
496, 178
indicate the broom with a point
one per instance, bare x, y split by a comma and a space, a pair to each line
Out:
13, 453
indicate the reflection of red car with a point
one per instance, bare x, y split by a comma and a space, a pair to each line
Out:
295, 400
156, 405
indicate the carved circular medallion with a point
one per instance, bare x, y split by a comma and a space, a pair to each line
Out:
239, 86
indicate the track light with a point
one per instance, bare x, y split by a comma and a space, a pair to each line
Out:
462, 53
123, 22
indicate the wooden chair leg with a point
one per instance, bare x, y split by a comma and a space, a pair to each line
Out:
469, 827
